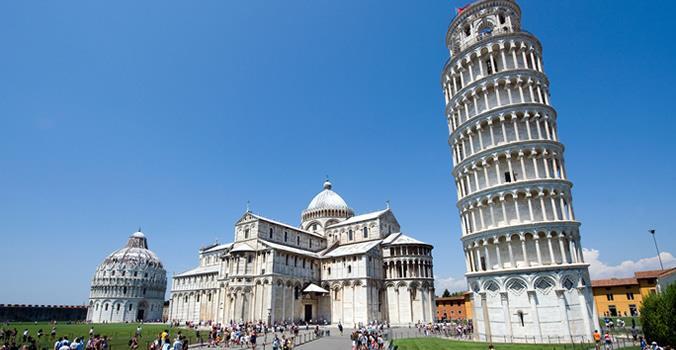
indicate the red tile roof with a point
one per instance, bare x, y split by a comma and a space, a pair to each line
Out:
614, 282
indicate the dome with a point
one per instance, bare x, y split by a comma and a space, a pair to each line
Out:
326, 207
327, 199
134, 254
129, 284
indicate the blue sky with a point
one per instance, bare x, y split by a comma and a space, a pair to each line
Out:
172, 115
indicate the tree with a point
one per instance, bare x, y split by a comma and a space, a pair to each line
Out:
658, 318
446, 294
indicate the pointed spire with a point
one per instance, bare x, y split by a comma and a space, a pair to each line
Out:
248, 206
387, 204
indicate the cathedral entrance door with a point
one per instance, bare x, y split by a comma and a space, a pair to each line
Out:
308, 312
140, 314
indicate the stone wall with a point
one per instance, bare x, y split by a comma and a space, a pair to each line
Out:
30, 313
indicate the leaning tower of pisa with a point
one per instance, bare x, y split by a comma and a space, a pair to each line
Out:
525, 268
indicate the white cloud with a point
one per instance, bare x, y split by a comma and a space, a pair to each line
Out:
451, 283
599, 269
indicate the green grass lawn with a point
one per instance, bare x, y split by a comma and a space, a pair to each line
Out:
118, 333
627, 321
443, 344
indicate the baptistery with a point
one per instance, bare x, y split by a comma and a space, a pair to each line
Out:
129, 285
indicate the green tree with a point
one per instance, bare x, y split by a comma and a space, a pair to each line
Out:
446, 294
658, 318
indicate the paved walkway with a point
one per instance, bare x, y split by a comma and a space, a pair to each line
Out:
333, 342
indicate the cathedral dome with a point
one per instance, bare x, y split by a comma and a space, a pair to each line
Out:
327, 199
325, 208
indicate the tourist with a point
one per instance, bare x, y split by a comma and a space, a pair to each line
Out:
654, 346
275, 343
608, 341
133, 343
103, 343
597, 339
65, 344
178, 345
252, 340
340, 328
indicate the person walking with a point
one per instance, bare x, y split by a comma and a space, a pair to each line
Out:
597, 339
608, 341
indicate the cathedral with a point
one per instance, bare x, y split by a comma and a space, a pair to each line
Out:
335, 267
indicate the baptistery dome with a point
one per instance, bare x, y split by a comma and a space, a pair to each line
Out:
129, 285
326, 208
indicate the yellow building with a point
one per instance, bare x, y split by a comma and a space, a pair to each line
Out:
457, 307
623, 296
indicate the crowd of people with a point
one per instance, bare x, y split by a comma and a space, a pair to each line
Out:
11, 340
367, 337
460, 330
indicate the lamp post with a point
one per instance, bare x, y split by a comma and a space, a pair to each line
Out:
652, 232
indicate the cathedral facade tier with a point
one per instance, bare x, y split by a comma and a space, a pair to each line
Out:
336, 267
129, 285
524, 260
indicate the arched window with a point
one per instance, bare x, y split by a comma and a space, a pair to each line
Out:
366, 232
246, 233
298, 240
286, 236
349, 235
349, 268
328, 271
130, 306
124, 290
271, 232
520, 314
105, 307
117, 307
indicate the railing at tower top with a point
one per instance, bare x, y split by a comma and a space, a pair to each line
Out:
482, 37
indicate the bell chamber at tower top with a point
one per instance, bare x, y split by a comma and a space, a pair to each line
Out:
480, 22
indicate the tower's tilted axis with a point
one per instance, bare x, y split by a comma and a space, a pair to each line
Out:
520, 237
